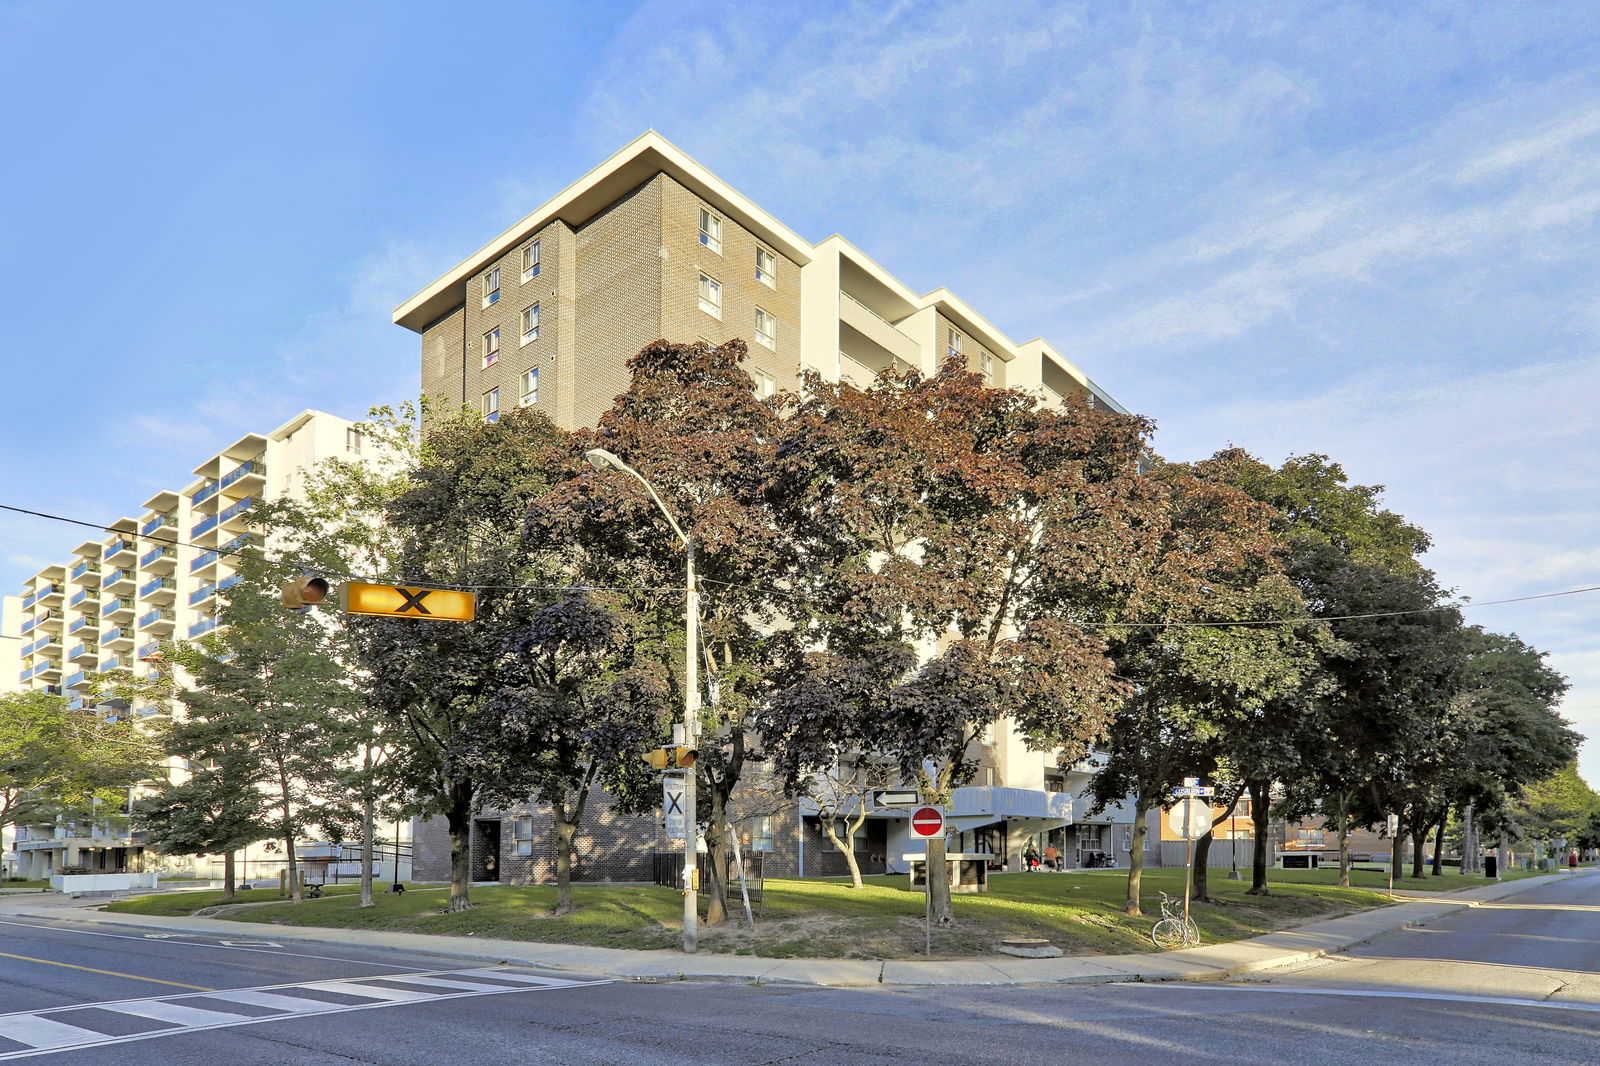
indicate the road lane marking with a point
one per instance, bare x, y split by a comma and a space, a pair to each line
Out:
43, 1033
177, 1013
439, 982
69, 927
47, 1035
1352, 993
109, 973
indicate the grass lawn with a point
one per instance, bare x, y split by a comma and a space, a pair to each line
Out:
1080, 912
17, 883
171, 904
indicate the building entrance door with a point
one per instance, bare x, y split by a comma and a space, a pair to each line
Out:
486, 849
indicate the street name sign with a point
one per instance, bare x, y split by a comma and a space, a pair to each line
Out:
1194, 790
927, 822
894, 797
401, 601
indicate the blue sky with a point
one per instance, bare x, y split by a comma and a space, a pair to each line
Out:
1367, 230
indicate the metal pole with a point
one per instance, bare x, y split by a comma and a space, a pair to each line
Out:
691, 727
396, 887
1188, 861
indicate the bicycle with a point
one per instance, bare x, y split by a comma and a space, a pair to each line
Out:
1174, 930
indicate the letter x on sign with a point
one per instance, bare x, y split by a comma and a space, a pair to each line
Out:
414, 598
674, 803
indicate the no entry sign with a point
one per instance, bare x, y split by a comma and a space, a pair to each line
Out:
927, 822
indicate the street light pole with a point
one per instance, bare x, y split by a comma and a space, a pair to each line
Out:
601, 459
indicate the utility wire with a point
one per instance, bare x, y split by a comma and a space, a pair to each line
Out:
1210, 624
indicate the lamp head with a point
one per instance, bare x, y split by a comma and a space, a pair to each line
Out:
601, 459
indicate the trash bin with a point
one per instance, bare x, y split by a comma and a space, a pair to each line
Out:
1491, 866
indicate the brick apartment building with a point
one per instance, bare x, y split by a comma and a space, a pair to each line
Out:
648, 245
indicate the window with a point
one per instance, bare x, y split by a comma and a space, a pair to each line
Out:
766, 328
530, 260
954, 350
711, 231
530, 323
491, 405
491, 287
766, 385
352, 441
530, 386
522, 836
491, 346
766, 267
711, 296
986, 366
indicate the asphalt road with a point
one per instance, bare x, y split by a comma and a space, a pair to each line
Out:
1512, 982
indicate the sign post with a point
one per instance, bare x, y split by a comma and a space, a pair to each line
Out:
1187, 817
928, 822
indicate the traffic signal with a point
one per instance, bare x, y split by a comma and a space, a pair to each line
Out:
680, 757
303, 592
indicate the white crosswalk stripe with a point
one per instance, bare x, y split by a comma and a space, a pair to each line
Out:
44, 1032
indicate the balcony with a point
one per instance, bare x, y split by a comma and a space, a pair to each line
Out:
79, 678
159, 590
253, 469
233, 511
119, 608
113, 663
81, 595
168, 521
83, 652
46, 618
36, 596
117, 581
118, 637
159, 559
88, 621
147, 650
158, 622
202, 594
88, 569
872, 331
204, 526
118, 551
202, 627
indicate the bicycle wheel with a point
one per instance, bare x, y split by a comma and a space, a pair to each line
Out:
1169, 933
1191, 933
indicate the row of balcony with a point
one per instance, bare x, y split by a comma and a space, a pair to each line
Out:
253, 467
229, 512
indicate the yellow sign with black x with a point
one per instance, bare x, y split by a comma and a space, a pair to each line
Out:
399, 601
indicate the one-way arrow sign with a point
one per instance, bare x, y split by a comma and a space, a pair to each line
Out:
904, 797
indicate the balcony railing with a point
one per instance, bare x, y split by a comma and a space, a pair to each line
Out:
115, 604
205, 625
242, 470
112, 663
203, 593
157, 616
84, 651
47, 590
155, 585
115, 577
155, 555
158, 521
205, 526
114, 633
81, 595
88, 566
237, 509
77, 679
117, 547
88, 621
147, 650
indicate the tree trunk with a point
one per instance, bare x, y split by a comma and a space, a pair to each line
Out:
1202, 850
938, 883
1141, 811
830, 831
459, 820
369, 818
1438, 846
717, 854
1470, 845
229, 878
565, 831
1419, 847
1344, 843
1397, 853
1260, 817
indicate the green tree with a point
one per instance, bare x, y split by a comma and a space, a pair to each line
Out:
58, 763
461, 523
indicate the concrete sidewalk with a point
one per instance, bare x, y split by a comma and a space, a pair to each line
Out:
1209, 963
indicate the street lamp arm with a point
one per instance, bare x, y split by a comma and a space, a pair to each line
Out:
599, 458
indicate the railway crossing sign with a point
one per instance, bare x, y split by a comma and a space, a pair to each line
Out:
927, 822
